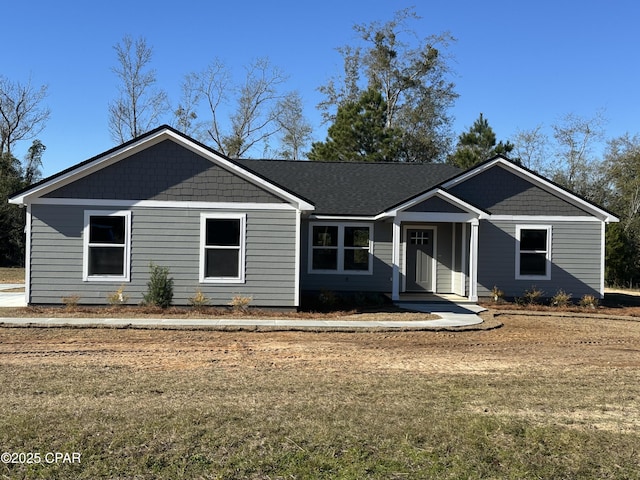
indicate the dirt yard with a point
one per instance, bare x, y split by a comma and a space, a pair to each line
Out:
524, 341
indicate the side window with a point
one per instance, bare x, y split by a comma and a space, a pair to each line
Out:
533, 252
107, 246
222, 248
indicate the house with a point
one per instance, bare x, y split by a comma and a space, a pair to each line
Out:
270, 230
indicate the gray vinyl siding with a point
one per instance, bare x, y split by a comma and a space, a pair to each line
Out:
169, 237
444, 259
378, 281
575, 259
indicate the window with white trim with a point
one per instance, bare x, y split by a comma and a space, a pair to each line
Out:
107, 246
533, 252
340, 248
222, 248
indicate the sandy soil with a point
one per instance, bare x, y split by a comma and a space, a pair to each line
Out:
524, 341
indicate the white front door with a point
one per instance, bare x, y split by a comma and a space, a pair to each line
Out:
419, 260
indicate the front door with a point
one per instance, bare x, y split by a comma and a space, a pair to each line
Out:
420, 260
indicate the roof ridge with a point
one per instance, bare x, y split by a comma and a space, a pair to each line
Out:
331, 162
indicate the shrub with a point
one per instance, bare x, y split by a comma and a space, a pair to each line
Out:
327, 298
71, 302
240, 303
496, 294
118, 297
588, 301
533, 296
199, 300
561, 299
159, 287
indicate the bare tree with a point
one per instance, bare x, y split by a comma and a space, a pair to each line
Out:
257, 110
22, 115
577, 168
530, 148
186, 112
295, 128
140, 105
256, 105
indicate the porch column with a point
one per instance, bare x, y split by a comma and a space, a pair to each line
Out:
395, 261
473, 262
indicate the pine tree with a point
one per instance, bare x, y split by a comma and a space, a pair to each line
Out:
477, 145
360, 133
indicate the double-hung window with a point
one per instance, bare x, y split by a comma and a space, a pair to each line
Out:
533, 252
340, 248
107, 245
222, 248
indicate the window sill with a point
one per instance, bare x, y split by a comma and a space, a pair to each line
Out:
533, 277
217, 281
106, 279
339, 272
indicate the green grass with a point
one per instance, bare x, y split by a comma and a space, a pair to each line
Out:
286, 423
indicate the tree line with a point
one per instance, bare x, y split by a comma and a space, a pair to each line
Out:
391, 102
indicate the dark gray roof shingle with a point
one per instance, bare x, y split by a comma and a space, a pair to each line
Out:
350, 188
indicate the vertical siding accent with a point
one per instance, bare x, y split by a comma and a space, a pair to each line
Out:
444, 258
169, 237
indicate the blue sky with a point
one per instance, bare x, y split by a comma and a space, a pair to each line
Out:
520, 63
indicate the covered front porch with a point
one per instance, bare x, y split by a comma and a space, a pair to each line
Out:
435, 248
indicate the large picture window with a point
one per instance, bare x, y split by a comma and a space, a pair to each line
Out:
533, 252
340, 248
106, 246
222, 242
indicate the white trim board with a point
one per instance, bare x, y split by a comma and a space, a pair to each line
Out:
92, 202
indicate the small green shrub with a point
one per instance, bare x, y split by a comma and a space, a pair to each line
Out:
159, 287
561, 299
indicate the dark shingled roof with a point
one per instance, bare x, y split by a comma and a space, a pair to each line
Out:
350, 188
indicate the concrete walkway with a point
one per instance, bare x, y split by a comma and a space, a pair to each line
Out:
451, 315
11, 299
447, 320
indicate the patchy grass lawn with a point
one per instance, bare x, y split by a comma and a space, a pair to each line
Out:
541, 397
11, 275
